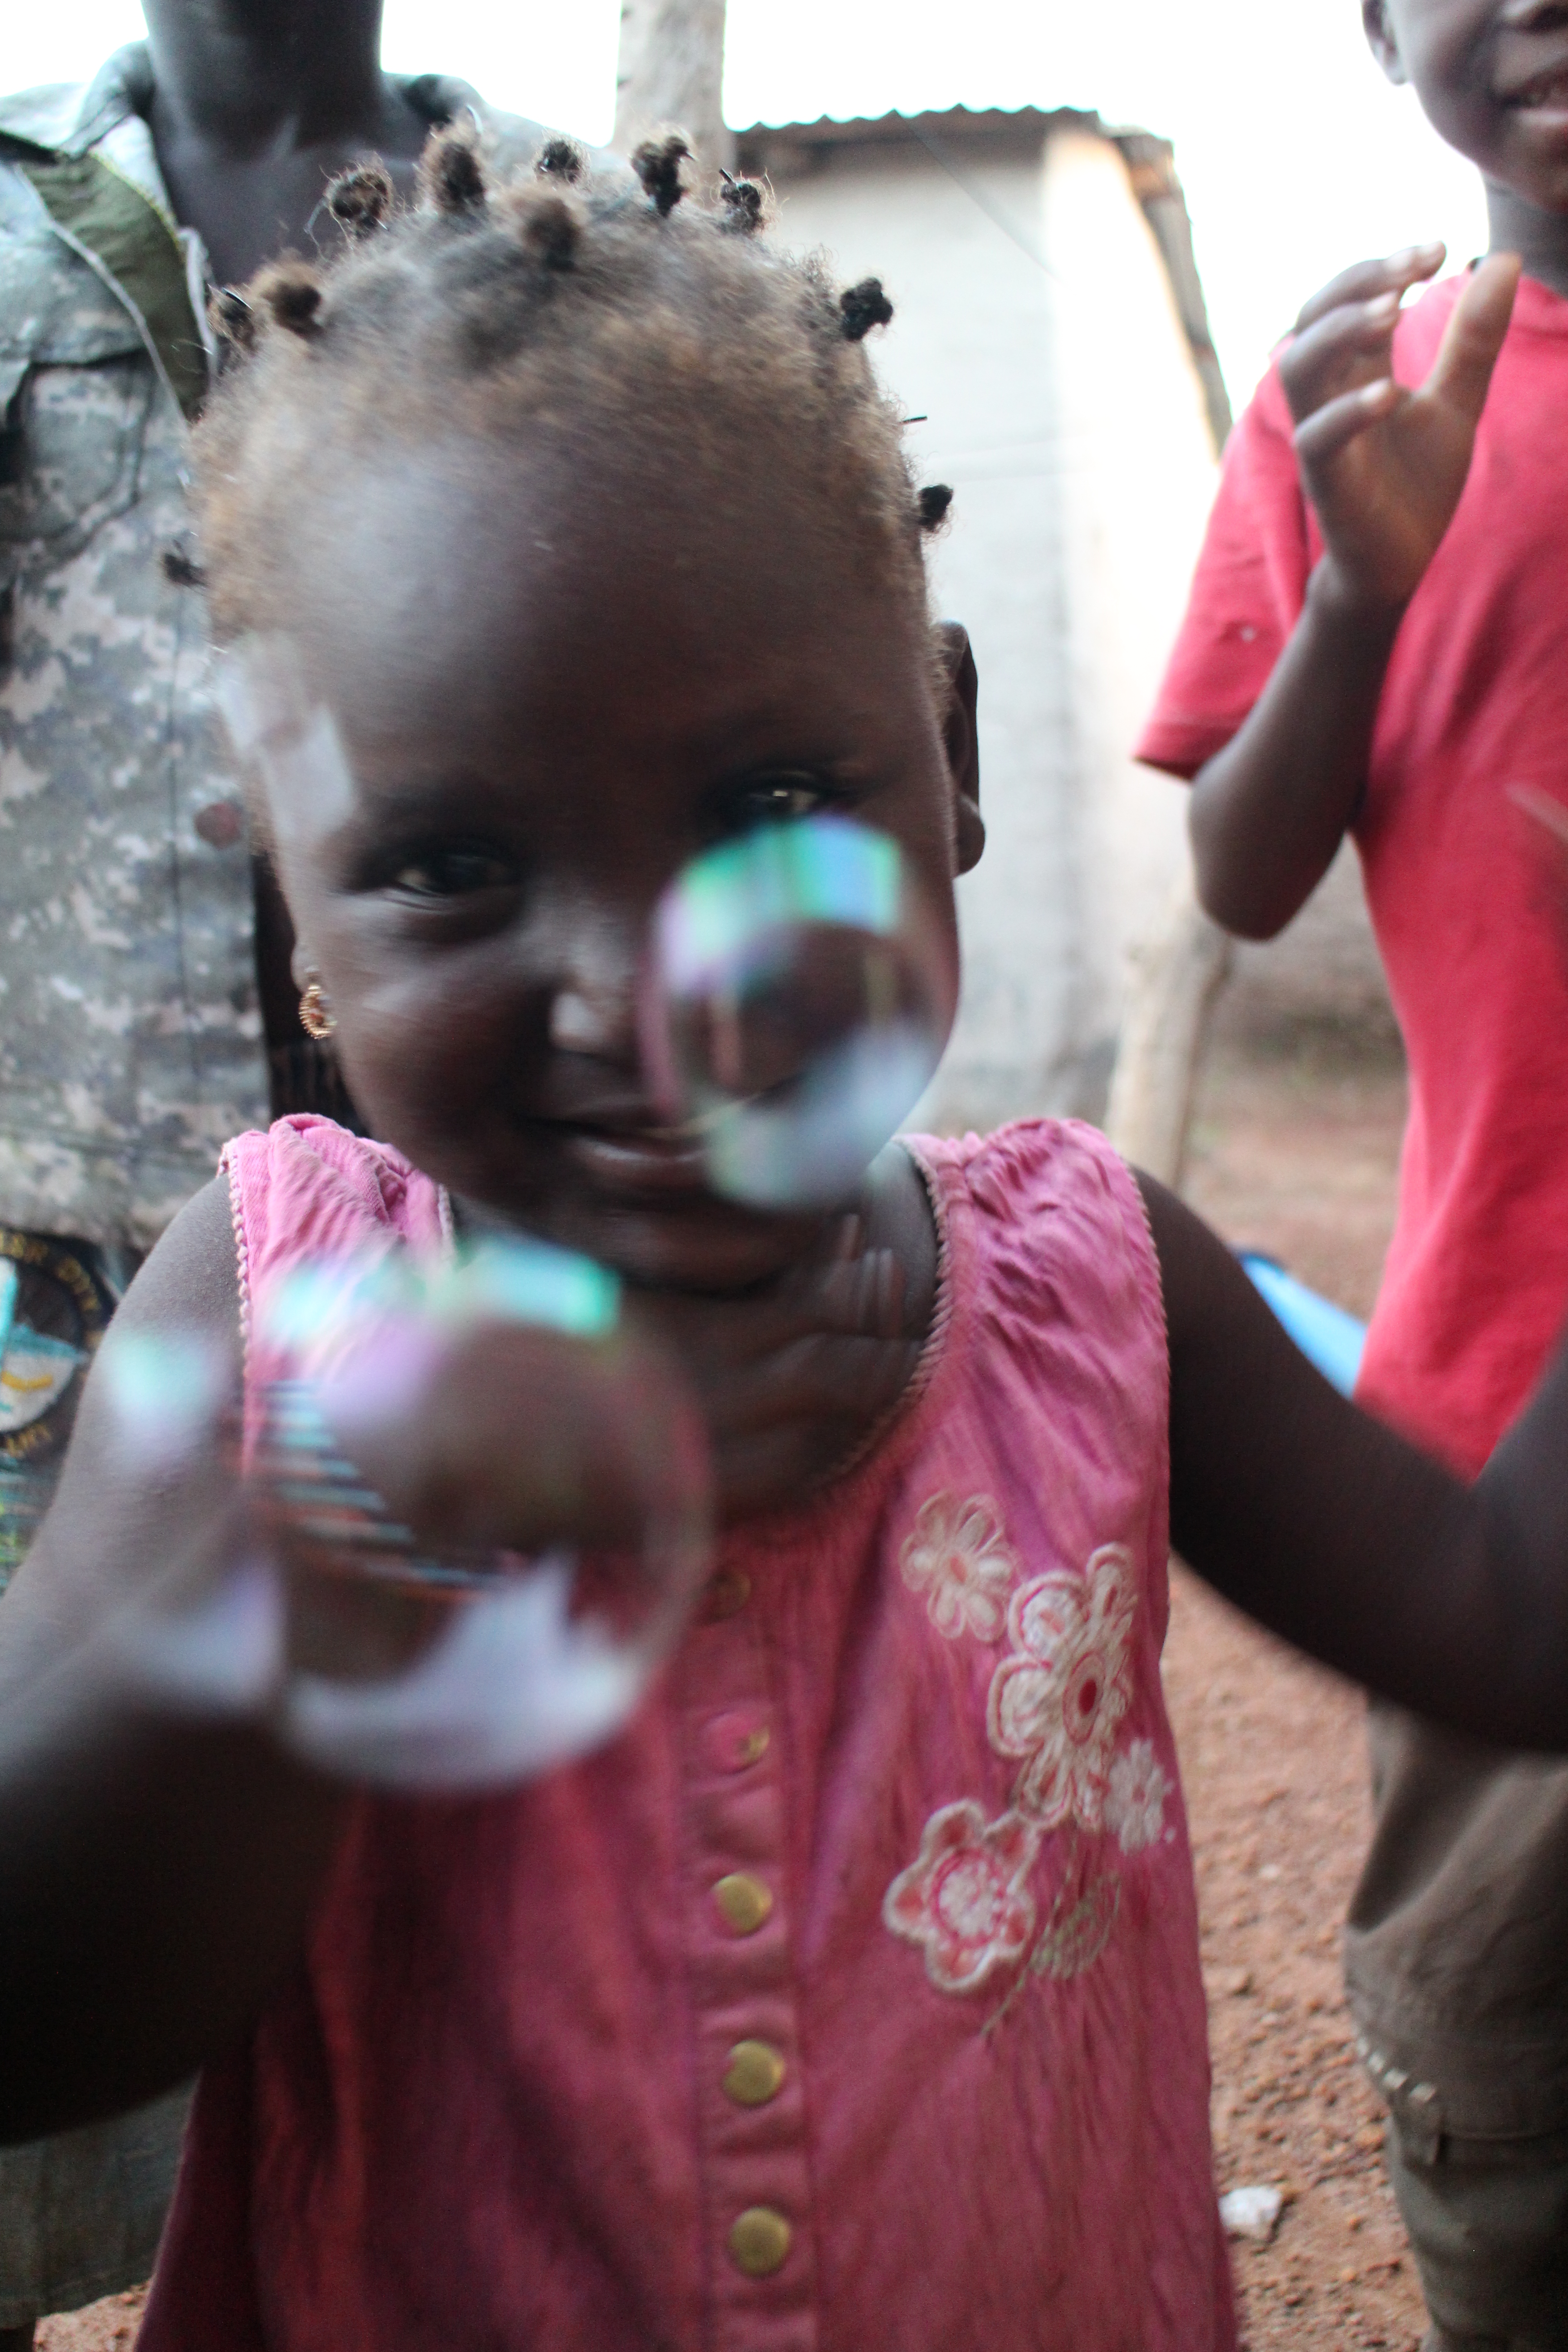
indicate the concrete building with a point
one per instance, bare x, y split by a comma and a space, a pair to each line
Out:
1050, 330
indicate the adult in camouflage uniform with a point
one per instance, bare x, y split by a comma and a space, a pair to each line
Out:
135, 1036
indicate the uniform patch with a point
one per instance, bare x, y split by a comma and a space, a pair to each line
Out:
53, 1313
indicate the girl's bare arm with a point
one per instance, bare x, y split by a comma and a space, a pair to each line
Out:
1333, 1531
156, 1873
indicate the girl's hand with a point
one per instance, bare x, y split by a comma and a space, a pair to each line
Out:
793, 1378
1383, 466
511, 1437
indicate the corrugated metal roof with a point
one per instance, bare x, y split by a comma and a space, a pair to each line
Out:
830, 130
1150, 164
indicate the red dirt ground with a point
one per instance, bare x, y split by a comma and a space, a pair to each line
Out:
1295, 1148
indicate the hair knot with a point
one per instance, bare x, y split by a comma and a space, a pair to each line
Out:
361, 198
290, 292
546, 222
656, 163
233, 319
864, 307
745, 204
933, 504
561, 158
451, 177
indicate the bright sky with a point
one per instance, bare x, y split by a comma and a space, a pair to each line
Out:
1296, 155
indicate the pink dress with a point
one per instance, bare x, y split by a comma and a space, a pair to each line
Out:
851, 1999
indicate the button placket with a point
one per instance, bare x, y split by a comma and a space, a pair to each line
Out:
751, 2110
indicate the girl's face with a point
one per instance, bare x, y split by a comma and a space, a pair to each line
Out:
556, 686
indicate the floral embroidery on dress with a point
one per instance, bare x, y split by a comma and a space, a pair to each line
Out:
1074, 1933
958, 1555
1135, 1799
1057, 1700
963, 1897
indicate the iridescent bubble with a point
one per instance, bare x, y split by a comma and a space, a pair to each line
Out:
221, 1653
798, 1001
10, 1282
421, 1662
287, 735
515, 1684
166, 1392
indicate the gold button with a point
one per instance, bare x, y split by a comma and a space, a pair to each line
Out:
728, 1593
743, 1902
758, 2241
754, 2074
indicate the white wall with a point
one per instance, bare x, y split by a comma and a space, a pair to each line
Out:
1138, 477
1034, 326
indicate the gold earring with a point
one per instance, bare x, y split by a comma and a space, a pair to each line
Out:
316, 1015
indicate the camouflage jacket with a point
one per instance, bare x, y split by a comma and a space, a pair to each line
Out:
131, 1036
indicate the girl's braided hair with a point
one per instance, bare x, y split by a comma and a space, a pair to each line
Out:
557, 303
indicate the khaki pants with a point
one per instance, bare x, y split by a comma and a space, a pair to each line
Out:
80, 2214
1488, 2226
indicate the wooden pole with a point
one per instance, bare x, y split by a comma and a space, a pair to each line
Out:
1176, 974
671, 69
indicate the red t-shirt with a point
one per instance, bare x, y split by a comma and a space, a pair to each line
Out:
1460, 883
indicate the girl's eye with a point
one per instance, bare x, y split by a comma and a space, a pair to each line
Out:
775, 800
455, 872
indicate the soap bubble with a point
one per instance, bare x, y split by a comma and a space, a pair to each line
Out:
283, 731
461, 1664
166, 1392
799, 994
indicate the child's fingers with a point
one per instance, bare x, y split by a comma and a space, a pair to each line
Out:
734, 1340
820, 1377
865, 1298
1462, 371
519, 1437
860, 1296
842, 1240
1349, 346
1365, 280
1332, 428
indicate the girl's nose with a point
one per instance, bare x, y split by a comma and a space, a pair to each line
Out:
592, 1019
586, 955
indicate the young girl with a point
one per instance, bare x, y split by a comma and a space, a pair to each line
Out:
851, 1996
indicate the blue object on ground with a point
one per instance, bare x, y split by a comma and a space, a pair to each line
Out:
1325, 1334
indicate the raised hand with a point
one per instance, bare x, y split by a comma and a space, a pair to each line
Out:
1383, 466
792, 1379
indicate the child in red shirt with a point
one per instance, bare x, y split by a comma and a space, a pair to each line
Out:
1375, 644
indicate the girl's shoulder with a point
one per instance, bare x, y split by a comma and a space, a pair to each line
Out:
1031, 1164
306, 1186
1052, 1191
1047, 1251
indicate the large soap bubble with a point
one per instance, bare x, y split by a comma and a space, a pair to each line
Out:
453, 1662
475, 1513
798, 997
